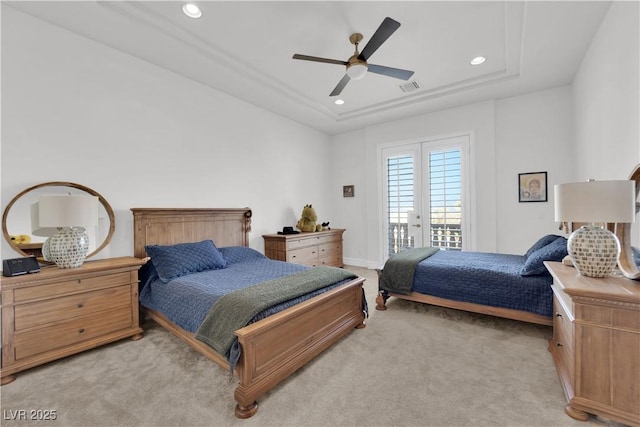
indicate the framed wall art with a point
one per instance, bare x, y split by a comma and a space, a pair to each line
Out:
532, 187
348, 191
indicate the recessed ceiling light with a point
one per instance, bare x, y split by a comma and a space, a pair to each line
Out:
338, 101
478, 60
191, 10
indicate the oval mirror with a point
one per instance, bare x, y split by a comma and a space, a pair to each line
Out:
627, 262
16, 219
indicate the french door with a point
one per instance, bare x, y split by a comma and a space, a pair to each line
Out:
425, 188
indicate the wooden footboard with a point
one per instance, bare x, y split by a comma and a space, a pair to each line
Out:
277, 346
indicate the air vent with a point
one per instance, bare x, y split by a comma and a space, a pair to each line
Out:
410, 87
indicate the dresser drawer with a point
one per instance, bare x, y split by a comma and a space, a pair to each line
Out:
332, 259
54, 289
43, 312
332, 247
300, 255
70, 332
301, 243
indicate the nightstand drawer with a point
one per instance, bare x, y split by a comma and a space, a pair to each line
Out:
57, 309
562, 326
55, 289
71, 332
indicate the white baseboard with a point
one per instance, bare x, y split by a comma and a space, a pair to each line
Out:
362, 263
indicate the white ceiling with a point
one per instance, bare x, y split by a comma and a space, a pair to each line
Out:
244, 48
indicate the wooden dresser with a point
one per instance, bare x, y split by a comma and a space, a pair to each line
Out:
313, 249
59, 312
596, 344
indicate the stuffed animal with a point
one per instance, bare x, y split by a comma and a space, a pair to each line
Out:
308, 220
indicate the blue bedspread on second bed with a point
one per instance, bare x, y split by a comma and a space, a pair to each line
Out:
484, 278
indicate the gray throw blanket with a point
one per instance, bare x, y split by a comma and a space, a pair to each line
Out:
398, 271
235, 310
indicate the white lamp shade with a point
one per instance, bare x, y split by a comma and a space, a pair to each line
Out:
595, 201
36, 229
68, 211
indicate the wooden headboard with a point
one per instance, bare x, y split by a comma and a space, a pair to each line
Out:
168, 226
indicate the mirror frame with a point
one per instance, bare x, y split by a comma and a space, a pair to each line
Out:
626, 263
102, 200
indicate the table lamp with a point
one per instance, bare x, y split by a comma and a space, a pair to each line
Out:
593, 249
70, 215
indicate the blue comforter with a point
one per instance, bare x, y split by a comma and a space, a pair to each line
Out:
186, 300
484, 278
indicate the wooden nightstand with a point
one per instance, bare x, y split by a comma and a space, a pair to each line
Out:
313, 249
596, 344
60, 312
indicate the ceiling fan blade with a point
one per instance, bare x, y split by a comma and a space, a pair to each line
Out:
341, 85
391, 72
316, 59
384, 31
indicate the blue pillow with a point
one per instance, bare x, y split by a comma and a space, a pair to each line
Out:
554, 251
541, 243
185, 258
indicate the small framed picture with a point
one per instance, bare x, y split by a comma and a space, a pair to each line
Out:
532, 187
347, 191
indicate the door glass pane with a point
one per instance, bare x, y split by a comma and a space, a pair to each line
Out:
445, 199
400, 200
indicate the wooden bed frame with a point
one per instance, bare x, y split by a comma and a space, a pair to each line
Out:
272, 348
507, 313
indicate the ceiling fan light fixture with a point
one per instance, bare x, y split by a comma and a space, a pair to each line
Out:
356, 71
191, 10
339, 101
478, 60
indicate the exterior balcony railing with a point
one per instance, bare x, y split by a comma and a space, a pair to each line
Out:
445, 236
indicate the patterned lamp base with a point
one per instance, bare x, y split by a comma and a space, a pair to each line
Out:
68, 248
594, 251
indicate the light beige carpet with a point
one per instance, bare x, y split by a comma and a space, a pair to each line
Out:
413, 365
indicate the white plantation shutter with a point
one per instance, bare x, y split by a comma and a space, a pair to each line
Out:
400, 200
445, 199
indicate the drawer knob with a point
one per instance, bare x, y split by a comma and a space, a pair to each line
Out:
558, 315
80, 305
558, 344
81, 331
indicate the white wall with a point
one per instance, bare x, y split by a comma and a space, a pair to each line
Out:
606, 95
348, 160
75, 110
528, 133
534, 133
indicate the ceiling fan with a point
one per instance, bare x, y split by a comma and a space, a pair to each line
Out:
357, 65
